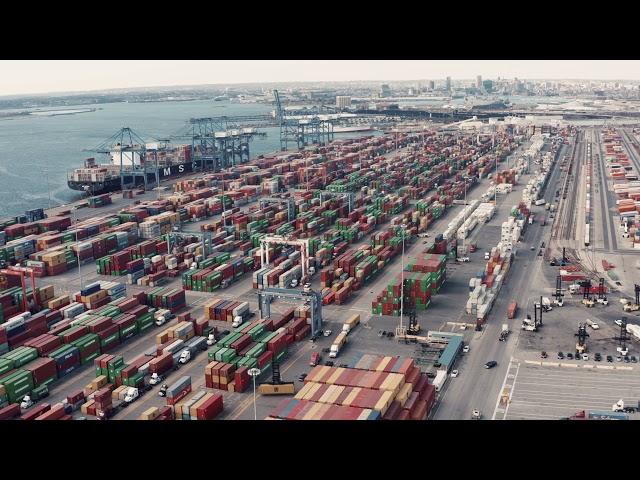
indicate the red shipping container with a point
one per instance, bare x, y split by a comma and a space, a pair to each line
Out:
210, 408
265, 358
10, 411
55, 413
108, 331
42, 369
36, 411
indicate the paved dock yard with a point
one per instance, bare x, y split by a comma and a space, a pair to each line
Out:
550, 390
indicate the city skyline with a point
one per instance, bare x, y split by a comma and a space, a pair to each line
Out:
47, 76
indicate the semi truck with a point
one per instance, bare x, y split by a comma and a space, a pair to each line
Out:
351, 323
191, 348
440, 379
162, 316
341, 339
504, 333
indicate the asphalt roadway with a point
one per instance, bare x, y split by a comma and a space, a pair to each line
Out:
477, 387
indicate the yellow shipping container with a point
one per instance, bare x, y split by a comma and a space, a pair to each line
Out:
403, 394
312, 411
351, 397
334, 377
150, 413
99, 382
312, 391
383, 363
384, 403
303, 391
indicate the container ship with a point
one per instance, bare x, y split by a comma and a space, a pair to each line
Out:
97, 178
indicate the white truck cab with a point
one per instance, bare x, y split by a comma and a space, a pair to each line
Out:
26, 402
487, 255
131, 395
185, 356
211, 339
237, 322
155, 379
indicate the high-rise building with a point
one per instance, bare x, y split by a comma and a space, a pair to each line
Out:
385, 91
343, 101
448, 84
432, 85
479, 81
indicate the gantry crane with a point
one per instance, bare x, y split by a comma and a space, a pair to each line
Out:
602, 299
302, 244
22, 272
266, 295
289, 201
559, 301
623, 338
633, 307
176, 238
586, 293
581, 345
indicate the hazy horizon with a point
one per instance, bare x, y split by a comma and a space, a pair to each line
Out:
42, 77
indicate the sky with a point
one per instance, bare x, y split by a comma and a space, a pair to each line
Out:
48, 76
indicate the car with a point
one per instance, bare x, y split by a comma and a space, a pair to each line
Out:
542, 246
618, 358
626, 359
618, 322
302, 377
390, 335
463, 259
634, 359
466, 349
329, 363
609, 358
585, 357
327, 333
597, 357
543, 355
532, 248
560, 355
490, 364
463, 326
454, 373
381, 333
570, 356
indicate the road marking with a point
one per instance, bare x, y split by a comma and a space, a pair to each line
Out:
605, 367
532, 362
513, 388
504, 383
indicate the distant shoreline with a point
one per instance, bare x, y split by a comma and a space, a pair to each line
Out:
44, 113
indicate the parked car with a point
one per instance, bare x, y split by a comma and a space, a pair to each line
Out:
597, 357
465, 349
618, 358
570, 356
560, 356
454, 373
626, 359
609, 358
634, 359
490, 364
327, 333
618, 322
543, 355
585, 357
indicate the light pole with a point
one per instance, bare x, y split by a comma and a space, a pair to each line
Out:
254, 372
74, 220
404, 227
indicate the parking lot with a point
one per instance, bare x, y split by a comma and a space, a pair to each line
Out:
546, 392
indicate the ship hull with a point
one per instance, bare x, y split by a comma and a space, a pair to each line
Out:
113, 184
